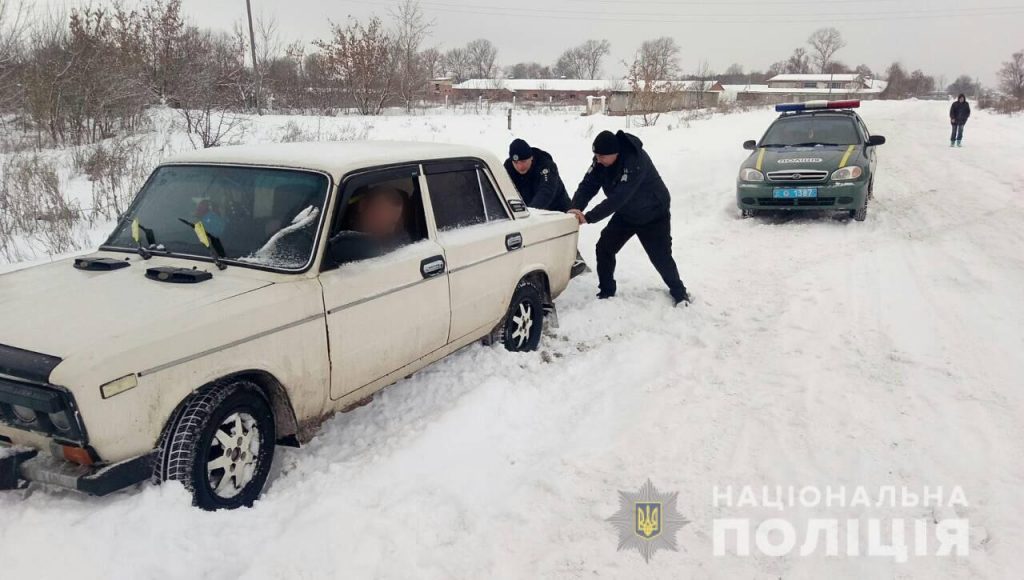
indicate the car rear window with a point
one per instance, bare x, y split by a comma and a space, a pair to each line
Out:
464, 198
810, 130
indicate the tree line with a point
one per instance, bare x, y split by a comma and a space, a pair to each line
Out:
91, 74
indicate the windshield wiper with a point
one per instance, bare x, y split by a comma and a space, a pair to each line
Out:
209, 240
150, 239
814, 144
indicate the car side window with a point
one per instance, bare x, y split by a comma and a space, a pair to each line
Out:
463, 197
378, 214
493, 206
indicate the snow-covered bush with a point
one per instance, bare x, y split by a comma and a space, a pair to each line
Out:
117, 169
294, 132
34, 210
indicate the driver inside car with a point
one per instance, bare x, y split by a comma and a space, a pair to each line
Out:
379, 212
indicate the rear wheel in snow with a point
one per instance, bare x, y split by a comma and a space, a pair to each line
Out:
221, 446
525, 318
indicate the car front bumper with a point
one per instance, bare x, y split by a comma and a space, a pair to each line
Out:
20, 467
831, 196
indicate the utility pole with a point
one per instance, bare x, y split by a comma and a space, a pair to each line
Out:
252, 48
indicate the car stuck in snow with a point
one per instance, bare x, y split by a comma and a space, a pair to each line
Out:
251, 292
816, 156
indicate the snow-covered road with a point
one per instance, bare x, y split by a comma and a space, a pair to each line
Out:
818, 352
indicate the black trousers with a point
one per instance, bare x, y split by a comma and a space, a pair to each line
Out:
656, 238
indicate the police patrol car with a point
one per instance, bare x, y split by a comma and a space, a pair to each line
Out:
817, 155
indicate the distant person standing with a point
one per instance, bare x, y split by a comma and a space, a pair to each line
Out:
959, 112
638, 203
535, 175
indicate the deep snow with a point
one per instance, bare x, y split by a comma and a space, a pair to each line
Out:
818, 352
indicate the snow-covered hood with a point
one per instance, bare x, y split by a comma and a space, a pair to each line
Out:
57, 310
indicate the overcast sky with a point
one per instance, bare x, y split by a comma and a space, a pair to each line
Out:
943, 37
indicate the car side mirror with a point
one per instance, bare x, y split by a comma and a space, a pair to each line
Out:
348, 246
876, 140
750, 145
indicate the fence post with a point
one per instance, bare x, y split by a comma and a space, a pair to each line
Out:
510, 119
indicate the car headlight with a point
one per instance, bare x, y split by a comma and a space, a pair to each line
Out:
847, 173
750, 174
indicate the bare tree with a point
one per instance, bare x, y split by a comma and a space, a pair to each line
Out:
433, 62
825, 43
798, 62
583, 61
216, 87
703, 76
411, 29
864, 71
650, 77
360, 59
528, 70
13, 25
457, 64
268, 48
896, 82
963, 84
163, 29
1011, 76
483, 58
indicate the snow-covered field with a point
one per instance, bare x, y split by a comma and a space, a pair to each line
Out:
883, 353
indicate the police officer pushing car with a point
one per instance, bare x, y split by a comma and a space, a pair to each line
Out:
535, 175
638, 203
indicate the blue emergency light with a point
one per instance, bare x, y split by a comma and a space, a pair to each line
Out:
811, 105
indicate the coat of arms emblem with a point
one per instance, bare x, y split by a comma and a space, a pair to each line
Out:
647, 520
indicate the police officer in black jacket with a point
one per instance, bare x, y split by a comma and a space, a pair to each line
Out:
638, 203
535, 175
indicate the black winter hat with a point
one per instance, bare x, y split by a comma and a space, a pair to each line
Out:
606, 143
520, 150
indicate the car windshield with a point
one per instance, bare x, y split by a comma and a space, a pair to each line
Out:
810, 130
262, 217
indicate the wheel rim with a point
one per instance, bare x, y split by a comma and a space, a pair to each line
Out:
234, 455
522, 324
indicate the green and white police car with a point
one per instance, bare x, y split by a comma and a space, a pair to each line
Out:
817, 155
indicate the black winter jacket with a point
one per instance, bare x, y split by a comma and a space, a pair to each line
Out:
541, 187
632, 186
959, 112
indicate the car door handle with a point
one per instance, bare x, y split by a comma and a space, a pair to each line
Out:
513, 241
433, 266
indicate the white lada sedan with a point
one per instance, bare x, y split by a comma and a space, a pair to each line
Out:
251, 292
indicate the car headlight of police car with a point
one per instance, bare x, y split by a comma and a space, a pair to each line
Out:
750, 174
847, 173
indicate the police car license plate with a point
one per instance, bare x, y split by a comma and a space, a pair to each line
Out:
795, 192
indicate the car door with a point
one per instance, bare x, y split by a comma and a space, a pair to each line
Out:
870, 152
480, 240
388, 311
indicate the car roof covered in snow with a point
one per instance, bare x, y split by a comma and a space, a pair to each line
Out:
335, 158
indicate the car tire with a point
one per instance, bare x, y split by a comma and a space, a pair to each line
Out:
220, 446
861, 213
525, 318
871, 189
748, 213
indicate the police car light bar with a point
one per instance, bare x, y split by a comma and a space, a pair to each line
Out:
811, 105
